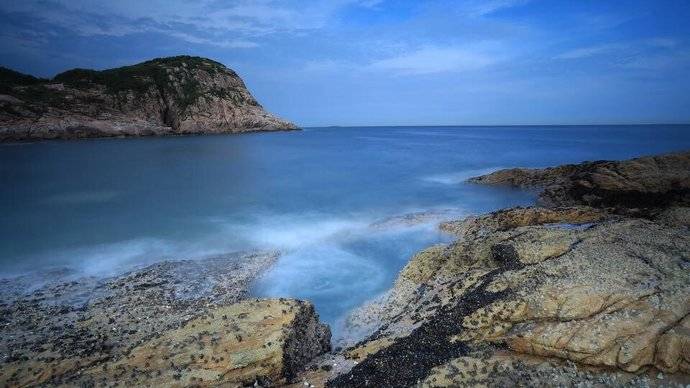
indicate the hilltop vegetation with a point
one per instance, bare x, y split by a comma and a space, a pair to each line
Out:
181, 94
10, 79
139, 78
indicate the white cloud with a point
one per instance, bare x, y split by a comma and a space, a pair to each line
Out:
232, 25
478, 8
586, 52
370, 3
629, 51
225, 43
658, 62
430, 60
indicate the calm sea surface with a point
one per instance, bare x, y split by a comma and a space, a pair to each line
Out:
100, 207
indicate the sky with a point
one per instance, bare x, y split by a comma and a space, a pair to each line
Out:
390, 62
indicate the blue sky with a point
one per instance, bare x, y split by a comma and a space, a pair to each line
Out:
390, 62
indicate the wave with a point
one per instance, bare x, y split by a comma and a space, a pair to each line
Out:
338, 262
293, 232
455, 178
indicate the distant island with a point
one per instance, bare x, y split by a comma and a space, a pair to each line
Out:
163, 96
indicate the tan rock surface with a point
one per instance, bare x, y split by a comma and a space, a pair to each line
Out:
90, 331
558, 284
264, 341
482, 225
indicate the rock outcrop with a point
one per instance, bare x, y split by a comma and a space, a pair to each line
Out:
165, 96
263, 341
584, 292
175, 323
647, 182
614, 293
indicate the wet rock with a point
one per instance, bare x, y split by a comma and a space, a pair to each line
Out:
647, 182
674, 216
501, 370
609, 295
501, 220
594, 293
416, 218
52, 334
423, 265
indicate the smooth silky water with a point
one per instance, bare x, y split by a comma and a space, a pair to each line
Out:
323, 197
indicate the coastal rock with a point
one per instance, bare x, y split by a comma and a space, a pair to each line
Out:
503, 370
483, 225
674, 216
164, 96
264, 341
601, 296
562, 285
53, 334
647, 182
415, 218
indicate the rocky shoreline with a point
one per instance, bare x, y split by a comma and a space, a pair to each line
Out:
174, 323
590, 288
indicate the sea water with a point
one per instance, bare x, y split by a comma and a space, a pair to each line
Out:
346, 207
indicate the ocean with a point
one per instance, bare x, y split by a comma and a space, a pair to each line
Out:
346, 206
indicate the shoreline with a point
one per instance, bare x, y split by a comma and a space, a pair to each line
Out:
84, 330
489, 308
32, 140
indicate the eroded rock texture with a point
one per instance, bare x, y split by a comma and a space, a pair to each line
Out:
175, 323
165, 96
615, 293
264, 341
592, 290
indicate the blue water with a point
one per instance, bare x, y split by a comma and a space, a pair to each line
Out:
104, 206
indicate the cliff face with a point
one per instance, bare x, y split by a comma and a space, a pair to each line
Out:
177, 95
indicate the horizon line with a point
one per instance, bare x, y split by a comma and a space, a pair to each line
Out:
491, 125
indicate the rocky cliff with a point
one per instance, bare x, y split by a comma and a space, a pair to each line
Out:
165, 96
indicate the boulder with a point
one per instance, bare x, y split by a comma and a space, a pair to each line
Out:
264, 341
173, 323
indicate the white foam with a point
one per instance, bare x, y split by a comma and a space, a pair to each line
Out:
335, 261
455, 178
110, 259
322, 271
289, 232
